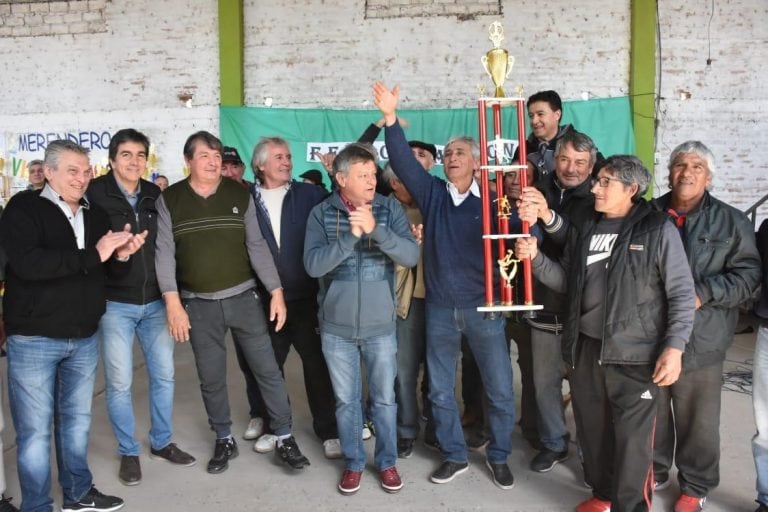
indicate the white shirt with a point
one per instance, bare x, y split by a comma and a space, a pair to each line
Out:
458, 197
75, 219
273, 200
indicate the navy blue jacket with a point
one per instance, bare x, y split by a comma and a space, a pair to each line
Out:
289, 257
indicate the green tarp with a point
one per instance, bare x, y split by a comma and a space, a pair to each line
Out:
309, 131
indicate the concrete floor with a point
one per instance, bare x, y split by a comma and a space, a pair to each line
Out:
256, 482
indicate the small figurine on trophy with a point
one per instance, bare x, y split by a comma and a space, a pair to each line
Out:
508, 267
503, 207
497, 61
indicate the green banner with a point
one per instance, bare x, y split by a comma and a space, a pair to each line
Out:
313, 131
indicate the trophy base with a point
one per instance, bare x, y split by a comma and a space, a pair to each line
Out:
512, 307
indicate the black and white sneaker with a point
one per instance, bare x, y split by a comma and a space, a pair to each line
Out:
94, 501
289, 453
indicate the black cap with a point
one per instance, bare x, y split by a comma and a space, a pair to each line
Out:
425, 146
313, 175
229, 154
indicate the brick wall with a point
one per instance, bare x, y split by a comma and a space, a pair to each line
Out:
133, 68
136, 72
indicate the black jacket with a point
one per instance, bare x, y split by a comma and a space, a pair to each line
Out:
576, 206
52, 288
649, 292
720, 245
139, 286
289, 257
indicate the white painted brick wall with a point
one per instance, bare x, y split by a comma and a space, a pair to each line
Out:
728, 107
325, 53
308, 54
129, 76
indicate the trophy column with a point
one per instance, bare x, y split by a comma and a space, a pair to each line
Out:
498, 64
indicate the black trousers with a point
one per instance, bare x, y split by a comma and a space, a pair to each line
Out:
301, 332
688, 430
615, 409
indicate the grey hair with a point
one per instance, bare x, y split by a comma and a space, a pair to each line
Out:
353, 153
475, 147
580, 142
629, 170
388, 174
36, 161
697, 148
57, 147
261, 151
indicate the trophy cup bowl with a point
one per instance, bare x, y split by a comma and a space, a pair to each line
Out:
498, 64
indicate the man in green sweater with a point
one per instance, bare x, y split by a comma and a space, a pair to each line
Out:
209, 251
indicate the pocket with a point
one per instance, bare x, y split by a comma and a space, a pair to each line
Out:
340, 305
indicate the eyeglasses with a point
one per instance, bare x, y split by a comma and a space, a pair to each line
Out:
604, 181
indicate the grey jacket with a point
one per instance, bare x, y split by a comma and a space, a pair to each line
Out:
356, 275
720, 245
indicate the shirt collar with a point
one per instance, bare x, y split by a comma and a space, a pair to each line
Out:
129, 195
55, 198
458, 197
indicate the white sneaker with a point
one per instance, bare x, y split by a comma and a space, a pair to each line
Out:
332, 448
254, 430
265, 443
367, 434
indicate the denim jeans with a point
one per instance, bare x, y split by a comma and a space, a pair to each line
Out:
379, 354
50, 381
116, 332
760, 406
2, 427
487, 341
548, 372
411, 342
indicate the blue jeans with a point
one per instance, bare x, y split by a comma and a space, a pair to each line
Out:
760, 406
50, 381
488, 344
116, 332
549, 369
411, 341
380, 357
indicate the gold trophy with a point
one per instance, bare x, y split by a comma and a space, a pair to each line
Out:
497, 62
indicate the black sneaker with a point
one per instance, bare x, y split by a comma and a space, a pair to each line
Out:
289, 453
130, 470
174, 455
502, 476
5, 504
546, 459
430, 441
404, 448
94, 501
447, 471
476, 439
224, 450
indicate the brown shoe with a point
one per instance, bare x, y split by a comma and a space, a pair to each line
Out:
174, 455
130, 470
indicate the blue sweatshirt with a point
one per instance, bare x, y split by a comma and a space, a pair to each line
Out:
453, 235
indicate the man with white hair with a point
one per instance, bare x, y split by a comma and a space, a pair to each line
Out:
720, 244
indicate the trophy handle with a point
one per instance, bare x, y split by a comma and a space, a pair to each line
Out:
510, 63
484, 60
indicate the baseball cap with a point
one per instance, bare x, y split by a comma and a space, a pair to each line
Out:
230, 154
